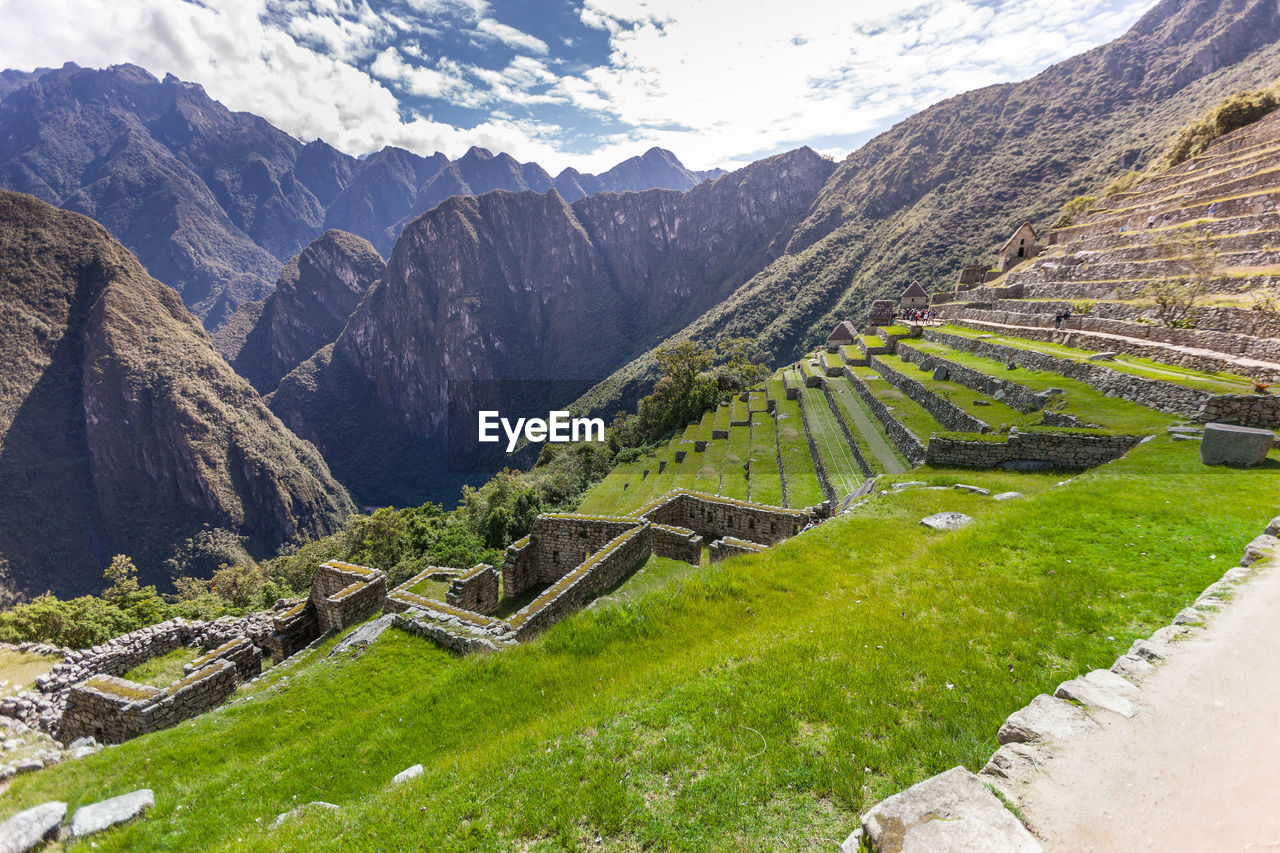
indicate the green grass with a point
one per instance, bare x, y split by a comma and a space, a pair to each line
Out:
1080, 399
803, 488
995, 413
723, 412
832, 359
737, 452
867, 431
837, 457
906, 411
20, 669
851, 351
428, 588
758, 401
872, 341
760, 703
740, 410
766, 481
163, 670
1214, 383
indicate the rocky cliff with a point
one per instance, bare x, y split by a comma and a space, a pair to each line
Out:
121, 429
314, 296
949, 184
527, 290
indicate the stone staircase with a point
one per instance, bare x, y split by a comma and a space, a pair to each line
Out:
1101, 266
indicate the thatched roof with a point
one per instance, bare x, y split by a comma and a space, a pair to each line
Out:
843, 332
914, 290
1009, 242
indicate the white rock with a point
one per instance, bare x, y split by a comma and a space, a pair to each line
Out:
1046, 718
108, 813
408, 773
950, 812
947, 521
30, 828
1092, 695
977, 490
315, 804
1007, 496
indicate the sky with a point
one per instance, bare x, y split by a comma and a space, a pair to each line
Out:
582, 83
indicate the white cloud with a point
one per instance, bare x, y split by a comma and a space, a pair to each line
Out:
510, 36
716, 81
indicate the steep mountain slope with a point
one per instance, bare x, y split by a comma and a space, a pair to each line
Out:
316, 293
121, 430
949, 184
214, 202
492, 300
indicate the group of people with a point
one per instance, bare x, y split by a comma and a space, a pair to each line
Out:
1060, 319
916, 315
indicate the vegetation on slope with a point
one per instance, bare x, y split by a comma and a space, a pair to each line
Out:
760, 703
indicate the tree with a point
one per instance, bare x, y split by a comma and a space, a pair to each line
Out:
123, 575
1176, 297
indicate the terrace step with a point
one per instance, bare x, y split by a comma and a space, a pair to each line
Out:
1181, 355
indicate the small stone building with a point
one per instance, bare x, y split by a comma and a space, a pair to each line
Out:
970, 274
914, 296
843, 334
880, 313
1023, 244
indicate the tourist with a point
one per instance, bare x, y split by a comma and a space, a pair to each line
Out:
1213, 209
1151, 221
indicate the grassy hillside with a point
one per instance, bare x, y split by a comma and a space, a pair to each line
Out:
760, 703
948, 185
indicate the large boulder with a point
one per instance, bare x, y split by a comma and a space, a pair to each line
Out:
947, 521
952, 811
1239, 446
29, 829
107, 813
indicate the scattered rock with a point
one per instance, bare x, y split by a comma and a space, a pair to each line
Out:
909, 484
1188, 616
29, 829
1014, 762
1273, 529
1108, 680
1046, 718
1181, 437
941, 372
99, 816
1013, 365
1007, 496
1184, 430
1102, 356
1237, 446
408, 773
984, 337
292, 813
947, 521
982, 402
1132, 667
977, 490
952, 811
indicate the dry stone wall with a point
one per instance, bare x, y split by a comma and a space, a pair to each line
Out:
676, 543
715, 517
906, 442
945, 412
476, 590
722, 549
1249, 410
863, 465
819, 467
1016, 396
113, 710
1062, 450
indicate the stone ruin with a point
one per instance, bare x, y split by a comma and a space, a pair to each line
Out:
576, 558
86, 695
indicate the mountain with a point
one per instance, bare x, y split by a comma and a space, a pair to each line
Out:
121, 429
521, 300
949, 184
314, 296
215, 202
656, 168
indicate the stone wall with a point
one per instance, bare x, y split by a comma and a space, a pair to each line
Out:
948, 414
863, 465
241, 653
602, 571
906, 442
344, 594
676, 543
476, 590
1062, 450
114, 710
819, 467
1262, 411
1091, 333
715, 518
562, 541
722, 549
519, 567
1015, 396
295, 628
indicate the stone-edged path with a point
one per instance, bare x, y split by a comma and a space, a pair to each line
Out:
1198, 767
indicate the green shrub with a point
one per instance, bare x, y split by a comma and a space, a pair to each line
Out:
1073, 208
1231, 113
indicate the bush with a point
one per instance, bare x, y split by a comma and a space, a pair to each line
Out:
1231, 113
1074, 208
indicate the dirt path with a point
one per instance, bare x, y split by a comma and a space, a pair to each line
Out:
1198, 768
